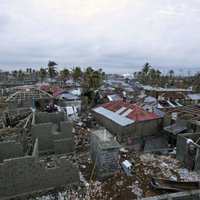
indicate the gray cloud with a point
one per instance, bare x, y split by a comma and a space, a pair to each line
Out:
114, 35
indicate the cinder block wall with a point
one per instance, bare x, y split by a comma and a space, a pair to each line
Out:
55, 117
46, 137
106, 159
26, 174
63, 146
181, 148
10, 149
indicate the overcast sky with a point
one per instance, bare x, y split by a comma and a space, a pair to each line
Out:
115, 35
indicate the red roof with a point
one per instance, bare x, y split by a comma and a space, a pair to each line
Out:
48, 88
59, 91
137, 114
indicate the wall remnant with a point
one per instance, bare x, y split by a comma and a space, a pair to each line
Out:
104, 152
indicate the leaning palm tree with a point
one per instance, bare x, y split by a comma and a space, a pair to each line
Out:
64, 74
52, 71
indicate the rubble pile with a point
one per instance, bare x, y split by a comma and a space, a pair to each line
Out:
166, 167
82, 131
146, 165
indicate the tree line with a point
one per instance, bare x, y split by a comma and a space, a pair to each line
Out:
150, 76
89, 77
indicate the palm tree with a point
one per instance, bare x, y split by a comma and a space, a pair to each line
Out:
93, 78
64, 74
146, 68
196, 82
171, 73
21, 74
76, 73
52, 69
42, 73
14, 73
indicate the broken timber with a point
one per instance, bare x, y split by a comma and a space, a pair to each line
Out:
168, 184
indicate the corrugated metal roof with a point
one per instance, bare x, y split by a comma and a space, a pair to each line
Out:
59, 91
194, 97
175, 129
127, 112
138, 114
120, 110
123, 121
68, 96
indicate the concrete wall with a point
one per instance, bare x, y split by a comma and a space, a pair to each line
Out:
47, 134
20, 104
181, 148
183, 152
26, 174
10, 149
54, 117
63, 146
27, 103
106, 159
147, 128
167, 120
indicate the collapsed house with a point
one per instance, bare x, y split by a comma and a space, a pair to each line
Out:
188, 150
29, 96
188, 116
123, 119
27, 170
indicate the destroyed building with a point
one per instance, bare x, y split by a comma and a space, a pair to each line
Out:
25, 172
28, 96
123, 119
53, 131
188, 150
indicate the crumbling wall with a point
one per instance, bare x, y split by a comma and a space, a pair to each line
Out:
191, 161
10, 149
26, 174
47, 135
